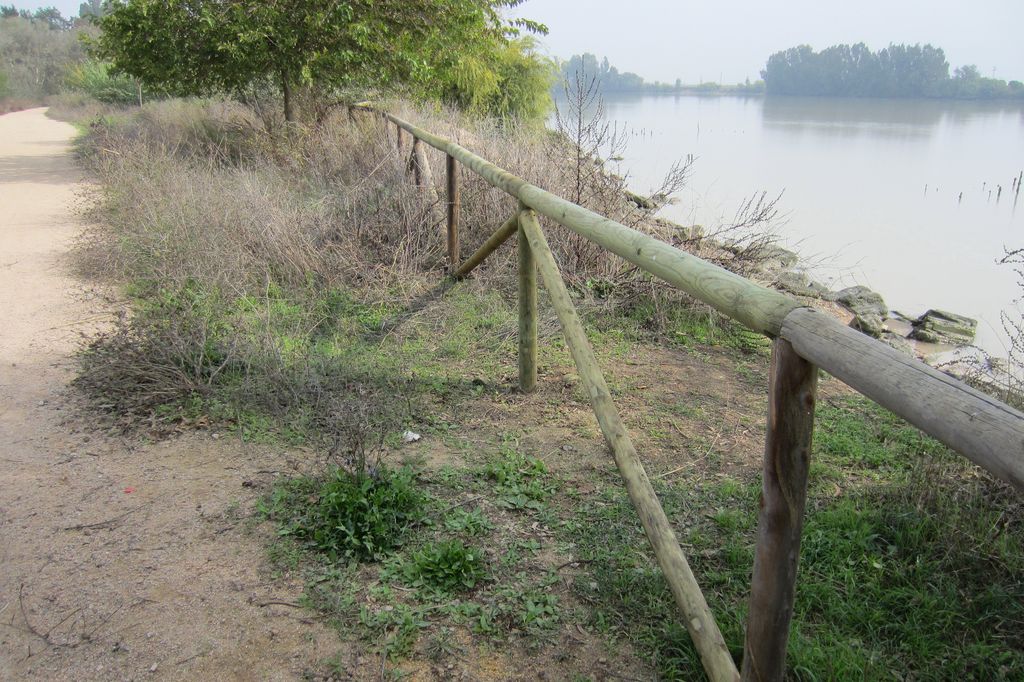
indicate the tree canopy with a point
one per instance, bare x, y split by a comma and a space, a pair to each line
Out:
896, 71
36, 50
205, 46
50, 16
607, 76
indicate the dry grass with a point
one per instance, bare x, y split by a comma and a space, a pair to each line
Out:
237, 242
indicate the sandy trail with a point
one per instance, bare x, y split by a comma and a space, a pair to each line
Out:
118, 560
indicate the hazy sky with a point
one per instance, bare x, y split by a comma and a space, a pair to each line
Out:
731, 39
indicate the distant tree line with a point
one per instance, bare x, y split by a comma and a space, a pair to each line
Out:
610, 79
896, 71
36, 50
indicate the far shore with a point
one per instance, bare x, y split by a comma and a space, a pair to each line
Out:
733, 91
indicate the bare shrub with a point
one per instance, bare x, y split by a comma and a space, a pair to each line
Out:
1002, 377
197, 194
167, 354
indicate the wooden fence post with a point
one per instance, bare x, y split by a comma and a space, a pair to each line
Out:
527, 313
419, 164
416, 162
401, 138
453, 213
787, 456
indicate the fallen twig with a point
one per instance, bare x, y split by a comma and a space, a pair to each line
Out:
103, 524
280, 603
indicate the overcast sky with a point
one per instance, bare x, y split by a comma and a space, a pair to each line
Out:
731, 39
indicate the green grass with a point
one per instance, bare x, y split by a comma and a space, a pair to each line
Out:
908, 568
445, 567
457, 563
914, 573
677, 324
348, 514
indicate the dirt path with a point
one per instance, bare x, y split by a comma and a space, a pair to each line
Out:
118, 560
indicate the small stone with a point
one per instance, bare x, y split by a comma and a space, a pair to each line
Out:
940, 326
800, 284
862, 301
869, 324
899, 343
770, 259
153, 667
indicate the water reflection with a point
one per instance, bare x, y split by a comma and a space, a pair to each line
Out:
896, 192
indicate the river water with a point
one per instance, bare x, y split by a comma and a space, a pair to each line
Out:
897, 195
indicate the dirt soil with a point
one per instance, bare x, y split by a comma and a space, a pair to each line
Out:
118, 560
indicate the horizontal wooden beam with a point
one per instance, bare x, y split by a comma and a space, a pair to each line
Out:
698, 617
983, 429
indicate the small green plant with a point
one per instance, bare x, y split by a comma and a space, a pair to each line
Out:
540, 610
358, 515
471, 522
519, 481
400, 623
445, 567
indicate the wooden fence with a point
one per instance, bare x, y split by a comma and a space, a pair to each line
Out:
978, 426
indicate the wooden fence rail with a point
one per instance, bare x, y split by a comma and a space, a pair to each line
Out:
978, 426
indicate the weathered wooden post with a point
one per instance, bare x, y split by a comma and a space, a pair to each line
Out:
416, 161
453, 213
420, 166
787, 457
527, 311
401, 138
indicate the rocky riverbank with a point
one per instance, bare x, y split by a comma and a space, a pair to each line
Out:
931, 336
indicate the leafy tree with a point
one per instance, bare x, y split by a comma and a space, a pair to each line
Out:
514, 81
896, 71
34, 56
94, 79
53, 18
204, 46
608, 78
92, 8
